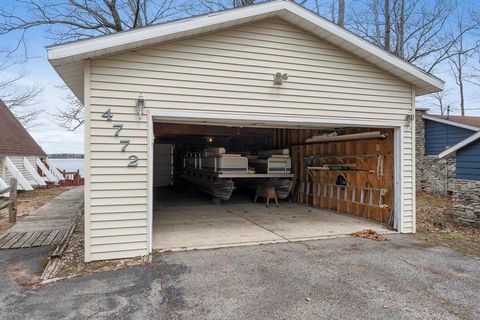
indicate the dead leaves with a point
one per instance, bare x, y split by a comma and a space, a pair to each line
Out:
369, 234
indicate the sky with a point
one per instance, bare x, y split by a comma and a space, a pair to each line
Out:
55, 139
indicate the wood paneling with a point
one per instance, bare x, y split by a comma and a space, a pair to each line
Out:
309, 187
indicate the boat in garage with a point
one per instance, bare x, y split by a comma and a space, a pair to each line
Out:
262, 77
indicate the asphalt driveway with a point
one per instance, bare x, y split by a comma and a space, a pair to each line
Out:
347, 278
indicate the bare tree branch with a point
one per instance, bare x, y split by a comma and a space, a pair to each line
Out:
21, 100
72, 117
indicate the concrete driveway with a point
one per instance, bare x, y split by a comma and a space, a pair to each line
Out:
345, 278
201, 226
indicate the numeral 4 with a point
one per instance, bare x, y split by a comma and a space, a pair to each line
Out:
107, 115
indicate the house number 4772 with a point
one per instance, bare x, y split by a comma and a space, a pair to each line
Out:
133, 159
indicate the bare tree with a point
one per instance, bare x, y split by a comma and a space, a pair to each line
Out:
457, 64
417, 31
414, 30
21, 100
72, 117
74, 19
440, 101
463, 51
69, 20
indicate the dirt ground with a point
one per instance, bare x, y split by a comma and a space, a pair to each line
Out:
437, 225
27, 201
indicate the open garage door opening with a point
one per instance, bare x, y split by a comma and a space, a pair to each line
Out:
216, 186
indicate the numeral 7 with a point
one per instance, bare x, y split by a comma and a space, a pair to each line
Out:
125, 143
119, 128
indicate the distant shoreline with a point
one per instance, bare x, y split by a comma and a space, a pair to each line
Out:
66, 156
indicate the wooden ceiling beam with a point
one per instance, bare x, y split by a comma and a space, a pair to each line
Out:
164, 129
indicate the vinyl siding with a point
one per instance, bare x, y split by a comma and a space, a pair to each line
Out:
468, 162
441, 136
227, 71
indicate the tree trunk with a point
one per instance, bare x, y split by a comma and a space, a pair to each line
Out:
341, 13
377, 23
460, 84
388, 25
401, 31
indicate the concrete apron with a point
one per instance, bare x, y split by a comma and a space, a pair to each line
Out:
206, 226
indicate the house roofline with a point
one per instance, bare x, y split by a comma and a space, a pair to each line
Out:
450, 122
450, 151
76, 52
422, 109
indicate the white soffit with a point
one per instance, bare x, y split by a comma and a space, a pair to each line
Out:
67, 58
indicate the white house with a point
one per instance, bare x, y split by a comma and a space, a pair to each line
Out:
21, 157
266, 76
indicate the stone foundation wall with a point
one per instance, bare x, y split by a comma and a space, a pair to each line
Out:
436, 176
466, 200
432, 175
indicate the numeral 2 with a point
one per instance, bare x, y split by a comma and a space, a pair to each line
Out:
133, 161
119, 128
107, 115
125, 143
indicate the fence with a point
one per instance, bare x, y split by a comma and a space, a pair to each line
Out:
11, 201
71, 178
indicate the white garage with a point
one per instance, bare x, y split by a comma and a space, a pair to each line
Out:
273, 76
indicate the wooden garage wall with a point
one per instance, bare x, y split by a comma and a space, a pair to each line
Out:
230, 71
361, 195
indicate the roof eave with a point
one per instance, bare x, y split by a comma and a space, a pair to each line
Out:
450, 122
465, 142
76, 52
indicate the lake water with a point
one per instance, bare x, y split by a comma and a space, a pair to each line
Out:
70, 165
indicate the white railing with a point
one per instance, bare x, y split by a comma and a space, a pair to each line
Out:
53, 169
17, 174
46, 172
33, 172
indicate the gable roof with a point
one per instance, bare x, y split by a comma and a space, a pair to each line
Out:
67, 59
465, 142
467, 122
470, 123
14, 139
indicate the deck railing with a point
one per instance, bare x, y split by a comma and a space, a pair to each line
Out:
11, 200
72, 178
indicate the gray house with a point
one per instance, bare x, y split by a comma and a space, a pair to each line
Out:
448, 159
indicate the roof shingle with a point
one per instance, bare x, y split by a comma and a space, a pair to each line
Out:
468, 120
14, 139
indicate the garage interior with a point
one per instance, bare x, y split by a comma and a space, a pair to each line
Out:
340, 181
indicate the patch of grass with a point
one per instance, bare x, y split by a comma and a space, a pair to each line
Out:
462, 243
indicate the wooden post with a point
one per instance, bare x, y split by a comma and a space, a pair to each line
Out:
12, 208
